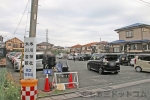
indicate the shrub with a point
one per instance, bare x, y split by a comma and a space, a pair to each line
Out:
9, 90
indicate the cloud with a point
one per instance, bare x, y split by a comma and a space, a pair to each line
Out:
73, 22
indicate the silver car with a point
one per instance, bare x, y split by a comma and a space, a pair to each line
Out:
39, 58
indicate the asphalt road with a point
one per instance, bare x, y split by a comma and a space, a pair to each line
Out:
87, 78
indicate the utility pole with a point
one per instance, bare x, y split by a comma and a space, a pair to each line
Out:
47, 38
100, 45
33, 18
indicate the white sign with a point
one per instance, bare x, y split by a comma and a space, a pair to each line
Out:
30, 58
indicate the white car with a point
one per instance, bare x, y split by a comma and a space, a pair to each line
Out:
39, 65
70, 57
132, 61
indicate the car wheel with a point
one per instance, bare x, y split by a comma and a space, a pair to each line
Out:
100, 71
138, 69
88, 67
115, 72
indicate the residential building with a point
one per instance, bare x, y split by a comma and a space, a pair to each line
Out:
132, 39
58, 48
14, 44
87, 48
67, 49
44, 45
101, 47
76, 48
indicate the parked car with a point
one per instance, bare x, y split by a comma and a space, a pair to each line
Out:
16, 56
142, 63
10, 55
82, 57
70, 57
104, 63
131, 58
39, 58
123, 58
15, 59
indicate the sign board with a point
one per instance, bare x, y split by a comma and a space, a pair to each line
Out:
30, 58
47, 71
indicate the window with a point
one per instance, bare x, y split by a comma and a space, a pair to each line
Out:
146, 58
9, 44
117, 49
144, 47
133, 47
21, 46
15, 45
129, 34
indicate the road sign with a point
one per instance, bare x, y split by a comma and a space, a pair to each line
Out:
47, 71
30, 58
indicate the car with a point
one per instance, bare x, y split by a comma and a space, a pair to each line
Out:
39, 65
104, 63
123, 58
82, 57
142, 63
131, 59
10, 55
70, 57
15, 57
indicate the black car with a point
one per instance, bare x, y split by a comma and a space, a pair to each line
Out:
123, 58
104, 63
82, 57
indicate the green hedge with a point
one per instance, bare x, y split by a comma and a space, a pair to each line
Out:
9, 90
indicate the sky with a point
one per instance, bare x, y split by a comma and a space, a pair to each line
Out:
71, 22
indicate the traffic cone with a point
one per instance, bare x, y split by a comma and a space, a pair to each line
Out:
47, 85
70, 85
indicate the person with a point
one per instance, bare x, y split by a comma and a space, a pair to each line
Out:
74, 59
44, 61
51, 61
65, 66
59, 66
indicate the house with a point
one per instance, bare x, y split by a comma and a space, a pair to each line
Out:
134, 38
67, 49
44, 45
87, 48
101, 47
76, 48
58, 48
14, 44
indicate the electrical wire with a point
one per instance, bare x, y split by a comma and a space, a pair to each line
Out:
145, 2
21, 18
27, 20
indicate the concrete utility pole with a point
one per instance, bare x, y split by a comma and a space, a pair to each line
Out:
33, 18
100, 45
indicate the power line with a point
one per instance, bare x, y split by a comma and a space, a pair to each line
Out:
145, 2
27, 20
20, 19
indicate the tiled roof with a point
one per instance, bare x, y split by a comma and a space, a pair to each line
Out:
102, 42
133, 25
90, 44
44, 44
77, 46
11, 40
131, 41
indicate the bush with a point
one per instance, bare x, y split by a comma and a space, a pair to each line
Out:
9, 89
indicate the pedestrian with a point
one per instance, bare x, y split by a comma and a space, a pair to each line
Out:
44, 61
74, 58
51, 61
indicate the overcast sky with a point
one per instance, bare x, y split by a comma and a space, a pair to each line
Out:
73, 22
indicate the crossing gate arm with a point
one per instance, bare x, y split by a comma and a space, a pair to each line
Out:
75, 78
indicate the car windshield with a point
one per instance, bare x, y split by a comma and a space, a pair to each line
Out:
111, 57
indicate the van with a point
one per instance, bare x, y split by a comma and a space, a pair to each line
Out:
142, 63
39, 65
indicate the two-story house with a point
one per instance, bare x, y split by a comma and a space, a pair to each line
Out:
100, 47
76, 48
132, 39
14, 44
87, 48
44, 45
